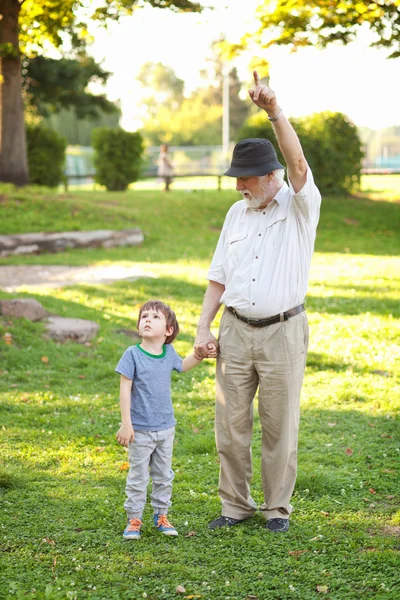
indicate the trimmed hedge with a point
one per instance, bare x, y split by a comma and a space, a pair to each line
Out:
46, 155
117, 158
331, 146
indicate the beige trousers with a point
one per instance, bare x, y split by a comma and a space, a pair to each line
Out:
273, 360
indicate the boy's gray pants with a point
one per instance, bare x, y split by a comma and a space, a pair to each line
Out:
150, 455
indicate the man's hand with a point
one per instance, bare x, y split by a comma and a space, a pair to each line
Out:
205, 345
125, 435
264, 97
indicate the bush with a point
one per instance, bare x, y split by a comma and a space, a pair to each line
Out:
331, 145
46, 155
117, 158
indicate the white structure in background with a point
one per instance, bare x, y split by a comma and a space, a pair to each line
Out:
225, 115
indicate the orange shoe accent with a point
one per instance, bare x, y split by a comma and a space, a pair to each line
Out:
134, 525
162, 520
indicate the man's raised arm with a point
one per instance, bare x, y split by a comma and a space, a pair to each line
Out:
264, 97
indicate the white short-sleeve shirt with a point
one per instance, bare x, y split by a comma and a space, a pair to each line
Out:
263, 256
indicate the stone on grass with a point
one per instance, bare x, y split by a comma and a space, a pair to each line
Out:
27, 308
63, 329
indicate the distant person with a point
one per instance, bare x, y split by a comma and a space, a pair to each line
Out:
165, 167
148, 422
260, 272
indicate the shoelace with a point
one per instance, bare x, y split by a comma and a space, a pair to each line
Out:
134, 525
162, 520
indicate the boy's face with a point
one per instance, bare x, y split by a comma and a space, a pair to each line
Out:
152, 325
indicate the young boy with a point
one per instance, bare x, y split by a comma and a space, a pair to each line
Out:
148, 423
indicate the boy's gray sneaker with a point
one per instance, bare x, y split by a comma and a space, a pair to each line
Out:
224, 522
278, 525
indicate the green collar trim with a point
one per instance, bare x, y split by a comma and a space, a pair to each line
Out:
163, 353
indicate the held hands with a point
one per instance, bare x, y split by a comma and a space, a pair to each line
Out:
264, 97
205, 346
125, 435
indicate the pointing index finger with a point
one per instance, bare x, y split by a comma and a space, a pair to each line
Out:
256, 78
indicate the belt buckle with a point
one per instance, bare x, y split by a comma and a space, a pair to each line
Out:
281, 317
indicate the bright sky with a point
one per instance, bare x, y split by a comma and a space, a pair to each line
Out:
356, 80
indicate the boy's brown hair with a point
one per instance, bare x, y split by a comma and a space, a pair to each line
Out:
168, 313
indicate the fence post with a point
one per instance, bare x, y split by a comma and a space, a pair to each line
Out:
219, 182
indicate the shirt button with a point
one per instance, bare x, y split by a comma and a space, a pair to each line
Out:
256, 256
259, 234
253, 279
263, 213
254, 303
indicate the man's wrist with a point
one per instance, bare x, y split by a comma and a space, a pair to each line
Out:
275, 115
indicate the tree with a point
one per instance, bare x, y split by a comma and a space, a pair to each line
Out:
164, 85
52, 85
196, 120
25, 27
320, 22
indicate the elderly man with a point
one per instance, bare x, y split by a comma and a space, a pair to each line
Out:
259, 272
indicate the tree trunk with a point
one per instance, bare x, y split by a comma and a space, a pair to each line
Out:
13, 156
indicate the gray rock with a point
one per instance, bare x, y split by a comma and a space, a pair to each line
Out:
63, 329
27, 308
38, 243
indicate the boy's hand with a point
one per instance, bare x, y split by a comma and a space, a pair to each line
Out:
125, 435
212, 351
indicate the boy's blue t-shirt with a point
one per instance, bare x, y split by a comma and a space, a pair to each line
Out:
151, 404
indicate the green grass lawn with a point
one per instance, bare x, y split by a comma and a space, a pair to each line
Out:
63, 474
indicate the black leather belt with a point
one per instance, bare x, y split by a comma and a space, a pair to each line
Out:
271, 320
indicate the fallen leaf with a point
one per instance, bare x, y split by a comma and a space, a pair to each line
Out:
371, 424
323, 589
191, 534
180, 589
124, 466
252, 597
49, 541
45, 359
372, 490
390, 497
331, 424
326, 514
349, 452
297, 553
351, 221
195, 429
100, 449
193, 596
385, 435
81, 376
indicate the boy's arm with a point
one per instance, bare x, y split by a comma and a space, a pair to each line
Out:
191, 361
125, 433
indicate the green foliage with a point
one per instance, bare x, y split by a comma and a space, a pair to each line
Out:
193, 121
46, 155
78, 132
51, 85
321, 22
42, 21
331, 146
118, 157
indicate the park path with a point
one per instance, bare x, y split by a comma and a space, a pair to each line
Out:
18, 277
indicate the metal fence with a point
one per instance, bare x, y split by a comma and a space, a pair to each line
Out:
188, 161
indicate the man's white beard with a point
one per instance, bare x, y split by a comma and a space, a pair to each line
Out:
253, 202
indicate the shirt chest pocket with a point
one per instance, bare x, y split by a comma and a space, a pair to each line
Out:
237, 247
277, 230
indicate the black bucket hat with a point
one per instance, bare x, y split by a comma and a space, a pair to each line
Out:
253, 157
